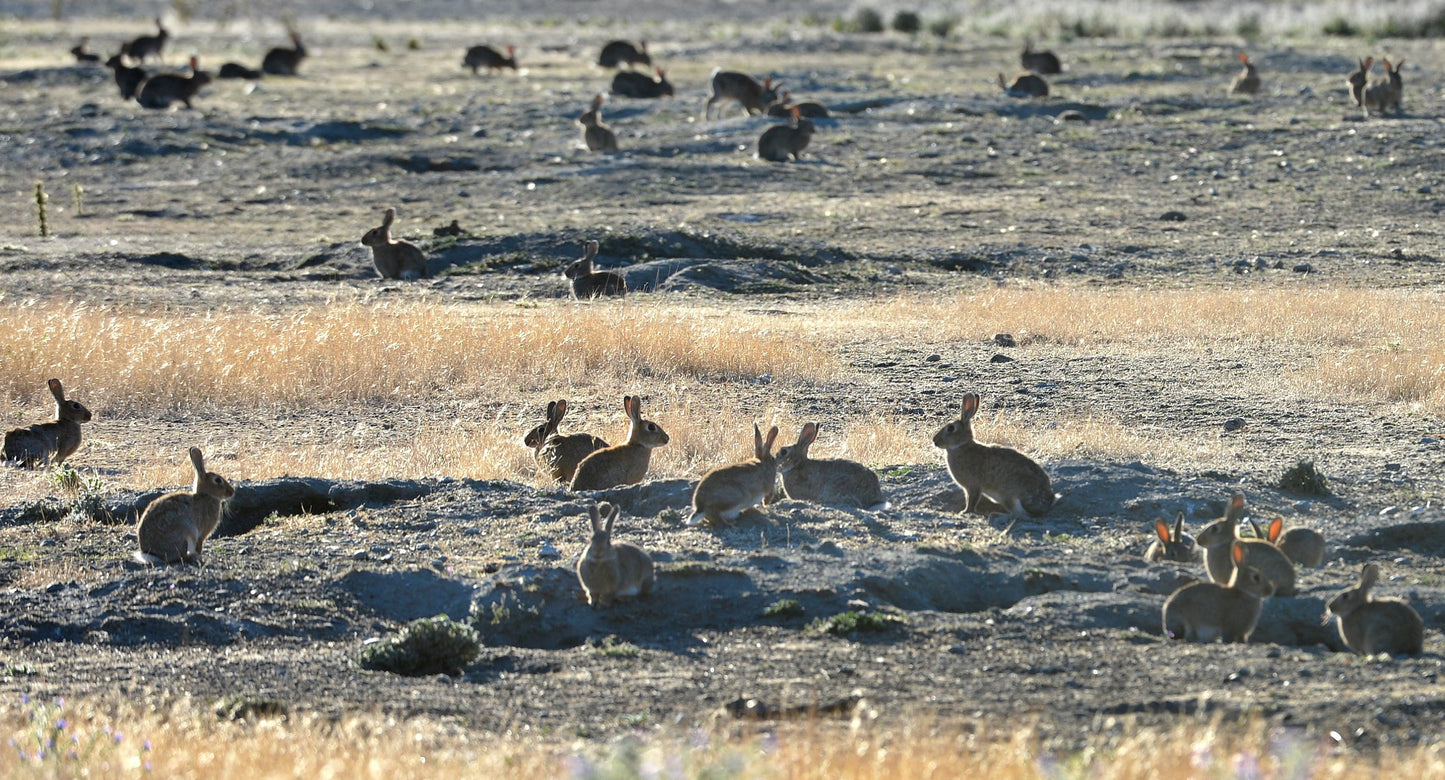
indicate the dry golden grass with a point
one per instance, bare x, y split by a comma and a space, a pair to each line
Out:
69, 739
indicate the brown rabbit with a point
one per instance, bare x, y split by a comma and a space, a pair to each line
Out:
598, 136
1370, 625
1304, 546
588, 283
1042, 62
128, 79
782, 143
555, 454
831, 481
1006, 476
1218, 537
282, 61
1357, 81
143, 47
175, 526
489, 58
808, 109
610, 570
44, 444
1246, 82
618, 53
629, 83
394, 258
754, 97
727, 491
1172, 545
1382, 95
1206, 611
623, 464
82, 55
1025, 85
167, 88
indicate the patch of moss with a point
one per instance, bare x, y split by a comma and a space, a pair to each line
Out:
853, 621
612, 647
784, 608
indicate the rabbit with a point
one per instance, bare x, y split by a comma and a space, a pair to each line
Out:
555, 454
607, 570
782, 143
128, 79
1218, 538
1042, 62
598, 136
175, 526
43, 444
833, 481
1025, 85
1357, 80
629, 83
1370, 625
81, 55
1304, 546
623, 464
235, 70
163, 90
1005, 476
732, 85
808, 109
617, 53
727, 491
1172, 545
1246, 82
485, 56
282, 61
1382, 95
1205, 611
394, 258
587, 283
144, 46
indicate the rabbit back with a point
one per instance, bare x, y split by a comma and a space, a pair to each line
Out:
1269, 561
282, 61
636, 575
1042, 62
834, 481
731, 85
168, 529
1005, 476
1383, 626
632, 84
600, 138
618, 53
1207, 611
726, 492
34, 445
599, 284
623, 464
785, 142
560, 455
1304, 546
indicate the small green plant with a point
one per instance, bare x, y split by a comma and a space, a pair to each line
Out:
852, 622
40, 212
413, 44
943, 26
612, 647
786, 608
84, 496
77, 197
435, 645
864, 20
1341, 27
907, 22
1249, 27
379, 43
504, 612
1302, 478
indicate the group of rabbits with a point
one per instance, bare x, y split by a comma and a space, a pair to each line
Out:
1242, 572
1379, 95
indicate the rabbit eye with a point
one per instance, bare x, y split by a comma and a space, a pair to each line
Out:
651, 427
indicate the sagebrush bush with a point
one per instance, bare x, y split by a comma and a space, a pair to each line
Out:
435, 645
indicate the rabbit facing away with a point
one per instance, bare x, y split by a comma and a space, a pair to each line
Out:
1206, 611
622, 464
1218, 539
782, 143
1370, 625
615, 54
610, 570
1384, 94
127, 78
161, 91
1172, 544
752, 95
282, 61
486, 57
394, 258
1304, 546
1042, 62
1025, 85
833, 481
598, 136
48, 443
174, 527
146, 46
588, 283
727, 491
555, 454
630, 83
1246, 82
1005, 476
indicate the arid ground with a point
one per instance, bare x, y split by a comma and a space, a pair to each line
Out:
1204, 290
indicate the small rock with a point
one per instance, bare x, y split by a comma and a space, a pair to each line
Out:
1389, 511
1000, 359
55, 587
1071, 115
1005, 340
934, 358
1172, 216
1234, 424
1425, 190
1392, 467
1303, 268
548, 552
1303, 507
360, 555
1429, 440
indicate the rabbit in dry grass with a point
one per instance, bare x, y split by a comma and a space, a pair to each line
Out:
629, 83
1218, 537
617, 53
728, 491
163, 90
598, 136
558, 455
128, 79
1172, 544
175, 526
80, 53
1370, 625
588, 283
1005, 476
48, 443
609, 570
808, 109
623, 464
1246, 82
830, 481
1304, 546
146, 46
1206, 611
785, 142
282, 61
394, 258
1025, 85
753, 96
489, 58
1385, 94
1044, 62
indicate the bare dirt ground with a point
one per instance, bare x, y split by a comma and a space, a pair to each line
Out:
927, 180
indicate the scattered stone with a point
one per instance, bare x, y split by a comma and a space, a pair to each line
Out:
360, 555
1071, 115
1234, 424
549, 552
1303, 268
1172, 216
934, 358
1392, 467
1004, 340
1390, 511
1000, 359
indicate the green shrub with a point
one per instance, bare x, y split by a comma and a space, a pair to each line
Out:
784, 608
1302, 478
943, 26
1341, 27
436, 645
907, 22
845, 623
865, 20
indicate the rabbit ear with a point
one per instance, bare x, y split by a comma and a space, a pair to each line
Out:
1276, 527
589, 250
561, 408
596, 517
1369, 576
1237, 553
1179, 526
633, 405
1366, 63
388, 218
198, 460
757, 441
597, 102
809, 434
970, 406
1398, 65
659, 70
56, 390
1161, 530
1235, 508
768, 442
195, 63
1244, 58
1387, 64
1258, 532
610, 511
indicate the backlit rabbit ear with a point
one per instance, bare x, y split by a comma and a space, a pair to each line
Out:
198, 460
1369, 576
595, 516
1179, 526
1161, 529
56, 390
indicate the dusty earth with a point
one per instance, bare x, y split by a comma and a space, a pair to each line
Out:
926, 179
